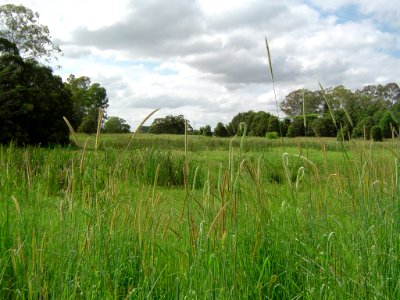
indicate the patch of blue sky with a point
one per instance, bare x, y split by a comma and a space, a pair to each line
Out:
344, 14
349, 13
392, 52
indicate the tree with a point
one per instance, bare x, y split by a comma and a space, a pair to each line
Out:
116, 125
207, 130
169, 124
220, 130
323, 126
32, 103
363, 128
292, 105
343, 134
296, 128
376, 133
387, 122
273, 124
87, 99
20, 26
7, 47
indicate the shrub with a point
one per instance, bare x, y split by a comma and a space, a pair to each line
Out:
272, 135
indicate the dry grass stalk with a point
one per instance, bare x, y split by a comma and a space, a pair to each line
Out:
72, 131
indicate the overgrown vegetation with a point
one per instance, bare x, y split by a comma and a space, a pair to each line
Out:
304, 221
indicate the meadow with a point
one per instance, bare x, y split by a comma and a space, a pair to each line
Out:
209, 218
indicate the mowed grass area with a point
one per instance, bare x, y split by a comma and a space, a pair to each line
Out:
299, 218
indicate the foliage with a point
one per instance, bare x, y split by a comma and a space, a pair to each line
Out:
169, 124
33, 102
388, 123
257, 123
206, 130
20, 26
323, 126
87, 99
272, 135
343, 133
291, 132
292, 105
363, 128
273, 124
377, 133
220, 130
116, 125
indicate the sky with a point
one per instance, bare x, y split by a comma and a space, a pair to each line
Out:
207, 60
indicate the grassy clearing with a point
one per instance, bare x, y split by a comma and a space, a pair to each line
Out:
314, 223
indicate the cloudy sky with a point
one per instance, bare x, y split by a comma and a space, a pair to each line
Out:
206, 59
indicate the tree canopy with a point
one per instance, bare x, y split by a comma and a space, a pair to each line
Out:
33, 102
87, 99
20, 26
169, 124
116, 125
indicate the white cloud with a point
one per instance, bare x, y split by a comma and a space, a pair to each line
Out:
207, 59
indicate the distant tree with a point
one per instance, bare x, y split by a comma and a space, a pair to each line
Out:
376, 133
296, 128
323, 126
33, 102
273, 124
169, 124
20, 26
220, 130
116, 125
291, 132
207, 130
292, 105
260, 123
87, 99
89, 122
343, 133
387, 123
363, 128
245, 117
285, 126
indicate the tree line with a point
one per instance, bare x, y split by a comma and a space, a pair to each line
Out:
373, 110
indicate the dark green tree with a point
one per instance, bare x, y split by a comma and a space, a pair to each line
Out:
388, 122
33, 102
220, 130
273, 125
169, 124
323, 126
376, 133
343, 134
363, 128
207, 130
291, 132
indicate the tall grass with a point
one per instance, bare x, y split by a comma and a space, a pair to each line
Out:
314, 226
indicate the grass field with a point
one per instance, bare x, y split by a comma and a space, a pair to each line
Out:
253, 218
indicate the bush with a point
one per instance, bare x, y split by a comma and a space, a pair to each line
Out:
272, 135
377, 133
